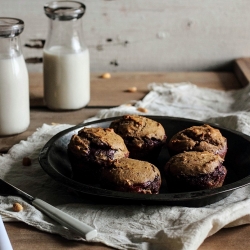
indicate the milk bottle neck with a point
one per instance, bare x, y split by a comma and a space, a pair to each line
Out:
65, 28
10, 47
66, 35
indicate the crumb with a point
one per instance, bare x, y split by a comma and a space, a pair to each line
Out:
143, 110
54, 123
132, 89
17, 207
26, 161
106, 75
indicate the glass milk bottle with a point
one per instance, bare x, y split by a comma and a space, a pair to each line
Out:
65, 58
14, 80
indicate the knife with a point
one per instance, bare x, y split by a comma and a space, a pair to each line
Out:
64, 219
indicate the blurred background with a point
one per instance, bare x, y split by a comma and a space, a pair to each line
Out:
146, 35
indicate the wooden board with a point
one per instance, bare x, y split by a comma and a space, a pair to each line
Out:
25, 237
115, 89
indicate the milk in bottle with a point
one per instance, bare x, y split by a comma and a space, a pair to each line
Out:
66, 78
14, 80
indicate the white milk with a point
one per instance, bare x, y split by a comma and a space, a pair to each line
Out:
66, 78
14, 96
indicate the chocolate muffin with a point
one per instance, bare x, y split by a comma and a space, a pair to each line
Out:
198, 138
92, 149
192, 171
143, 136
130, 175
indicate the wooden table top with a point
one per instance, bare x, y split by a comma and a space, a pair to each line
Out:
107, 93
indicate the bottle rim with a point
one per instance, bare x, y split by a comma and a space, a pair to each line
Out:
64, 10
10, 27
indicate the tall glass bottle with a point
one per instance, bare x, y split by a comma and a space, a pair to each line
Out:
65, 58
14, 80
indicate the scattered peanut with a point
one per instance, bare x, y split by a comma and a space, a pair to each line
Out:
132, 89
17, 207
143, 110
106, 75
26, 161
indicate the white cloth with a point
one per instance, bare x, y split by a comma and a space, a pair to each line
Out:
135, 226
4, 239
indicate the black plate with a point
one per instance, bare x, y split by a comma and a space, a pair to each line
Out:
53, 159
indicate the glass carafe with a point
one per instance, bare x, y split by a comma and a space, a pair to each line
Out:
14, 80
65, 57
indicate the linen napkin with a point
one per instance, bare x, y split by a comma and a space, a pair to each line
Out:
135, 226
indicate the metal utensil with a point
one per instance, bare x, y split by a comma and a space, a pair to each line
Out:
64, 219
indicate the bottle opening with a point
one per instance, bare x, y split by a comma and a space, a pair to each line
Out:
10, 27
64, 10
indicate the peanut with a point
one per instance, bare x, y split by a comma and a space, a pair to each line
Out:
143, 110
106, 75
17, 207
132, 89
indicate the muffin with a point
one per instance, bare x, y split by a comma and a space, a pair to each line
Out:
130, 175
192, 171
143, 137
92, 149
198, 138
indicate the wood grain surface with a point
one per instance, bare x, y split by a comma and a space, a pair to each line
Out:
25, 237
114, 90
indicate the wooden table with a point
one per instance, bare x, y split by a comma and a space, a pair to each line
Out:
108, 93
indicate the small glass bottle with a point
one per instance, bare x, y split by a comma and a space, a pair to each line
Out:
65, 58
14, 80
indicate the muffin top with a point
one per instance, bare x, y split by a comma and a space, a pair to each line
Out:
193, 163
97, 141
127, 171
138, 127
198, 138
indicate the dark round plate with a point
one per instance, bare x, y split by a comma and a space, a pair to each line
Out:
54, 160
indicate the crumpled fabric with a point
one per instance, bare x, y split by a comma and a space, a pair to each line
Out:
134, 226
